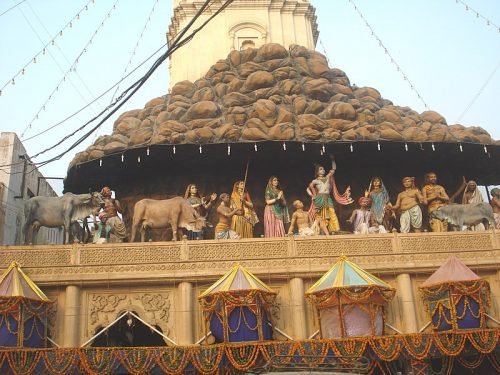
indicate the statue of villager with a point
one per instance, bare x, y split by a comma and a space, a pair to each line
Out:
240, 199
302, 220
435, 197
200, 204
407, 203
111, 223
276, 212
363, 220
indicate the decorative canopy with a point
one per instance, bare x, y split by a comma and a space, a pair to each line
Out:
238, 278
452, 270
344, 274
15, 283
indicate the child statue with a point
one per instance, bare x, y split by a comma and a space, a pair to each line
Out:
363, 219
240, 199
302, 220
495, 204
408, 203
321, 190
434, 197
223, 228
276, 212
200, 204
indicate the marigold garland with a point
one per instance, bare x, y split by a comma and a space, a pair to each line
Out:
231, 358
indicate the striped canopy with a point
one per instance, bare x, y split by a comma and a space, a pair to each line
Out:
15, 283
238, 278
345, 274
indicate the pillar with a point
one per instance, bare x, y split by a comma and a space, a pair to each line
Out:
185, 314
71, 338
407, 302
298, 309
495, 296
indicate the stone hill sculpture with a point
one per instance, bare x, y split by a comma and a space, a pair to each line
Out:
272, 93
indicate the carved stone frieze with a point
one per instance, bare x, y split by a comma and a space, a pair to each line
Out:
34, 256
130, 255
153, 308
346, 246
238, 250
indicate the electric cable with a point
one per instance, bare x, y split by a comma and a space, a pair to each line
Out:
137, 85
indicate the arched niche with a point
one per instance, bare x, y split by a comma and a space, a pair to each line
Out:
245, 33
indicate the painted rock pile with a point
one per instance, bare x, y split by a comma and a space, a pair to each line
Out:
272, 93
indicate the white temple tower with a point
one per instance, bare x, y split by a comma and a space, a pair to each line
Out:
245, 23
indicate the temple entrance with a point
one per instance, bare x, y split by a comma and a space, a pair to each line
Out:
128, 332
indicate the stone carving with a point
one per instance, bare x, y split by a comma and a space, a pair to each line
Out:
157, 307
94, 255
29, 256
153, 308
272, 93
103, 305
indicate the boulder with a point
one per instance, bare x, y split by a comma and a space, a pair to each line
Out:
284, 131
127, 125
339, 110
236, 99
320, 89
184, 88
259, 80
271, 51
254, 134
202, 110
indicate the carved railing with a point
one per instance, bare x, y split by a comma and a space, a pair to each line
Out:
290, 255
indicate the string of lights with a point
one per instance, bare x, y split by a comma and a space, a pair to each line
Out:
135, 47
386, 51
177, 43
478, 15
84, 107
33, 60
50, 54
71, 69
81, 80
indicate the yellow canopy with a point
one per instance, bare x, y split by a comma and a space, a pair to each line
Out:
344, 274
15, 283
238, 278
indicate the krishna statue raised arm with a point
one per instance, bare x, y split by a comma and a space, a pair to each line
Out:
323, 190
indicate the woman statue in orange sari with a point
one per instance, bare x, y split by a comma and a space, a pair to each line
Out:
243, 224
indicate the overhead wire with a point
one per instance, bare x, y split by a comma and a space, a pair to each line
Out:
69, 24
53, 58
176, 44
72, 67
82, 81
12, 7
478, 94
393, 61
135, 47
84, 107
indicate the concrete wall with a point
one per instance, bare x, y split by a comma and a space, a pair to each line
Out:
19, 182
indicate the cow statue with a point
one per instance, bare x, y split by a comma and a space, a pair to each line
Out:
458, 215
54, 212
155, 214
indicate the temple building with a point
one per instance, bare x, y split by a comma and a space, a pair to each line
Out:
244, 24
258, 102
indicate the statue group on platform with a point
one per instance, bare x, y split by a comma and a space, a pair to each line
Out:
237, 217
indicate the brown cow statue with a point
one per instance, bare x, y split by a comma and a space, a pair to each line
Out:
155, 214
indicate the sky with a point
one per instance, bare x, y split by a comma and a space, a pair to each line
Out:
450, 55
